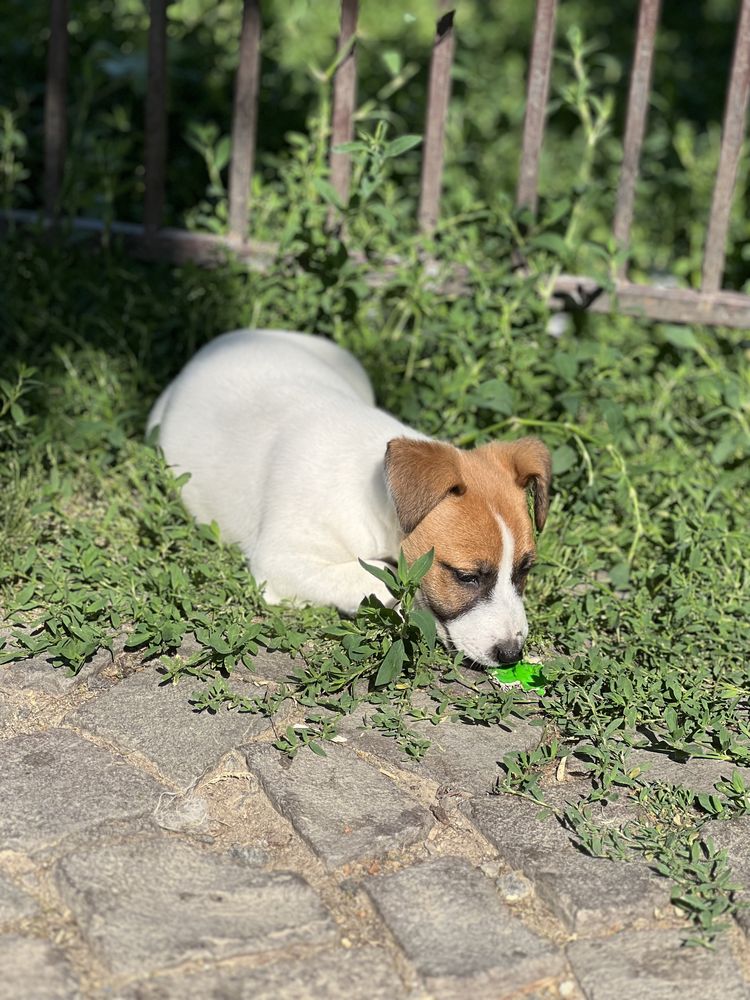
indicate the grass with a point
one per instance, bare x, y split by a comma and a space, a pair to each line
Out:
639, 599
638, 603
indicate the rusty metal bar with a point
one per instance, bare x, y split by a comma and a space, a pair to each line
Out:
667, 305
244, 120
156, 117
671, 305
635, 125
536, 103
733, 132
344, 98
177, 246
55, 106
438, 97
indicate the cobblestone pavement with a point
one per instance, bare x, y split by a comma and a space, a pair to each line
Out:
151, 853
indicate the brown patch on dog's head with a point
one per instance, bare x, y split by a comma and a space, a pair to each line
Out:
419, 475
451, 501
530, 464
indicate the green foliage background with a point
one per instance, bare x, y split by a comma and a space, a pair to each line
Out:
108, 84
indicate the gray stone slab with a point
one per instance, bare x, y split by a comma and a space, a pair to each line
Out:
55, 784
461, 938
158, 721
40, 675
155, 903
698, 775
345, 809
186, 813
31, 969
590, 895
267, 665
650, 965
35, 674
467, 757
356, 974
14, 902
464, 757
733, 836
7, 718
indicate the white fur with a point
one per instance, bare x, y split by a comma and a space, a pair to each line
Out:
285, 451
499, 619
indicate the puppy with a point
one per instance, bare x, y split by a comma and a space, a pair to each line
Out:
288, 454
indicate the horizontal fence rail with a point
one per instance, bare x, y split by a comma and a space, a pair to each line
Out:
708, 305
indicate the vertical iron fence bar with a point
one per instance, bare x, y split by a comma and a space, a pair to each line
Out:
635, 125
731, 145
438, 96
156, 117
536, 103
55, 106
344, 99
244, 120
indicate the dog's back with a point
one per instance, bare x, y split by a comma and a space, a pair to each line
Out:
269, 357
284, 447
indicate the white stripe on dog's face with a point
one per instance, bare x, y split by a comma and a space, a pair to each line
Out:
497, 622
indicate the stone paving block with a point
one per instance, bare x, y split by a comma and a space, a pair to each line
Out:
461, 938
188, 813
54, 784
267, 664
463, 756
698, 775
155, 903
357, 974
158, 721
345, 809
38, 674
270, 665
14, 902
590, 895
467, 757
654, 965
9, 716
31, 969
733, 836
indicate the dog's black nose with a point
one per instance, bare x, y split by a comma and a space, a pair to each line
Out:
507, 652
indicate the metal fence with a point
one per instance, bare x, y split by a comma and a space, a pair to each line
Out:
710, 304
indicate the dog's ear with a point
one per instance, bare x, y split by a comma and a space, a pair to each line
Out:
531, 467
419, 475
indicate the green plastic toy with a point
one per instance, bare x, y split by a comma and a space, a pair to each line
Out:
528, 675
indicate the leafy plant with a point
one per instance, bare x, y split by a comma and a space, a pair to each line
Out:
639, 600
13, 171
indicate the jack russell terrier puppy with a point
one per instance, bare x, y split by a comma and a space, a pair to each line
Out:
288, 454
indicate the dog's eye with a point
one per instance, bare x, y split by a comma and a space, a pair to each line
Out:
518, 577
468, 579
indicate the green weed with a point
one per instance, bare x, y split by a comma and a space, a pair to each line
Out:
639, 600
